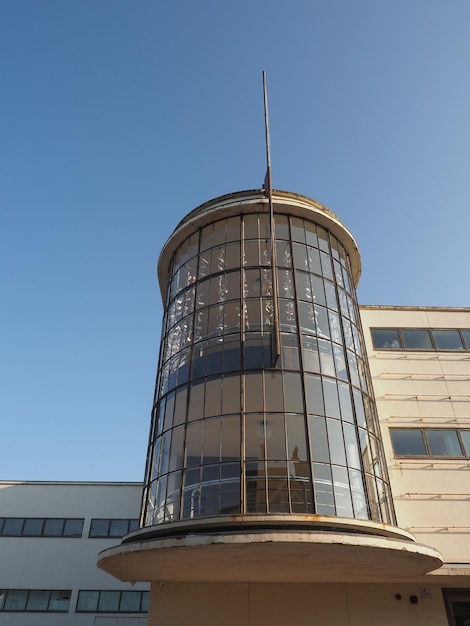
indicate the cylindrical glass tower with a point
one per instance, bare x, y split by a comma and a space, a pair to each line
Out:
240, 427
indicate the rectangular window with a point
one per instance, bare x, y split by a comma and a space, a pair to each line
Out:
386, 338
443, 443
447, 339
420, 339
465, 435
118, 527
35, 600
408, 442
434, 442
38, 600
53, 527
73, 528
457, 603
13, 527
417, 339
87, 601
16, 600
41, 527
109, 601
112, 527
33, 527
112, 602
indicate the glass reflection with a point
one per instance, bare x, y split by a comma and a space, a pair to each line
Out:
299, 438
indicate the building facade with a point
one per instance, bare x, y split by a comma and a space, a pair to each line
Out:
277, 489
420, 363
308, 459
50, 535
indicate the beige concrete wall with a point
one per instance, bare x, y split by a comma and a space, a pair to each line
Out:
425, 390
247, 604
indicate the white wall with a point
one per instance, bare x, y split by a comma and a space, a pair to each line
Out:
61, 562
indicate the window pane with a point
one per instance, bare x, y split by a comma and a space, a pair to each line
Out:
109, 601
196, 403
73, 527
87, 600
358, 495
145, 601
230, 439
281, 227
213, 403
211, 444
443, 443
133, 525
336, 442
352, 448
13, 526
130, 601
314, 264
193, 444
318, 439
310, 355
293, 393
53, 527
298, 230
59, 601
99, 527
408, 442
345, 402
253, 392
275, 437
314, 395
330, 392
386, 338
447, 339
296, 438
38, 600
465, 434
33, 527
417, 339
254, 444
466, 336
16, 600
230, 491
118, 527
290, 352
231, 395
323, 482
342, 492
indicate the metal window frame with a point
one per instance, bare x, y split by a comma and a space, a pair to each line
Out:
428, 454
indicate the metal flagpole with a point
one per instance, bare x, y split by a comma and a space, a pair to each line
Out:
268, 191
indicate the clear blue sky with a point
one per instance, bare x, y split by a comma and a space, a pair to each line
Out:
118, 117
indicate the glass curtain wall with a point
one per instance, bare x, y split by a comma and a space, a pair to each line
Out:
230, 433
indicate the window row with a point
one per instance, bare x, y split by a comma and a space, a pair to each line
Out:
436, 442
315, 316
112, 602
263, 391
62, 527
420, 339
40, 527
275, 436
271, 487
226, 234
112, 527
37, 600
58, 601
229, 354
252, 283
